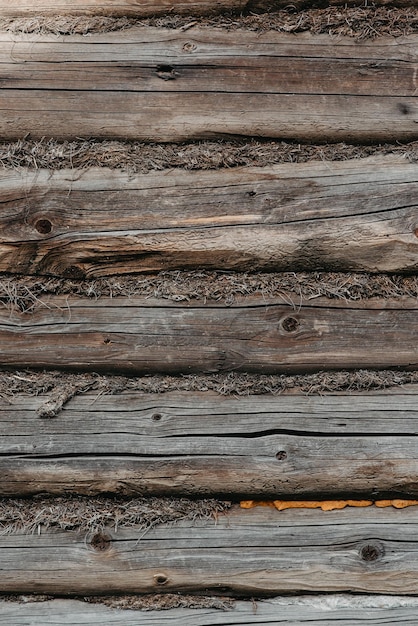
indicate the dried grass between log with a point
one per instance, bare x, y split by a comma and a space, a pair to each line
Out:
140, 157
95, 514
28, 293
358, 22
145, 602
164, 601
91, 515
61, 387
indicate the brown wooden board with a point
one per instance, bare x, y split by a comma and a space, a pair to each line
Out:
131, 8
358, 215
172, 85
144, 8
320, 610
203, 444
247, 552
143, 336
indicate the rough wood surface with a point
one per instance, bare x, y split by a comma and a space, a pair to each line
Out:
143, 336
168, 85
131, 8
357, 215
203, 444
247, 552
321, 610
144, 8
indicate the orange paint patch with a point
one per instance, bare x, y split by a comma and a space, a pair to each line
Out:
325, 505
398, 504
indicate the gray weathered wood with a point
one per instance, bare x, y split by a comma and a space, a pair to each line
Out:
167, 85
246, 551
355, 215
318, 610
137, 335
205, 444
126, 419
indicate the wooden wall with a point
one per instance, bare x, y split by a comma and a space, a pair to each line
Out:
162, 85
67, 228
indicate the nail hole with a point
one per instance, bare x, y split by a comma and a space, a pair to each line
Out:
252, 194
107, 340
100, 542
160, 579
290, 324
281, 455
156, 417
370, 552
43, 226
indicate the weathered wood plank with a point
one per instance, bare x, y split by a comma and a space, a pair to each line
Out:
203, 444
355, 215
127, 418
135, 335
245, 552
167, 85
144, 8
131, 8
319, 610
210, 60
305, 472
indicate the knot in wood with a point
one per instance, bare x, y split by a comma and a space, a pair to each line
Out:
189, 47
290, 324
43, 226
72, 271
100, 542
281, 455
160, 579
166, 72
371, 552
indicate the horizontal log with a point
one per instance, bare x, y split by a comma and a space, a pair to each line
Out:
357, 215
165, 85
120, 8
203, 444
139, 336
320, 610
145, 8
243, 552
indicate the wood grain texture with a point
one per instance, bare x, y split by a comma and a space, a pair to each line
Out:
243, 552
321, 610
144, 8
140, 336
168, 85
203, 444
120, 8
358, 215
